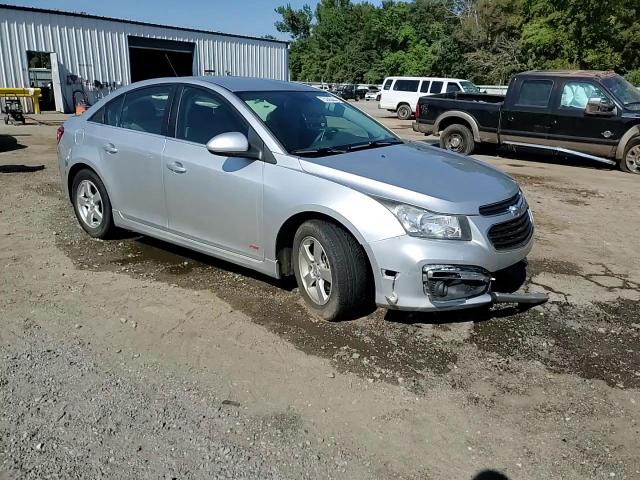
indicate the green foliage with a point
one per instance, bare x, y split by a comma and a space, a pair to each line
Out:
484, 40
633, 76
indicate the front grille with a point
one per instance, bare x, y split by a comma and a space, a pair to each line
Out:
511, 234
499, 208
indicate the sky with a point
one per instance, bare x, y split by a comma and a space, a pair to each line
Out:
244, 17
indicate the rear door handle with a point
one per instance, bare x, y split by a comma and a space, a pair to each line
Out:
176, 167
110, 148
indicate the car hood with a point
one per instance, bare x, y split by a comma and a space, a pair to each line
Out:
417, 174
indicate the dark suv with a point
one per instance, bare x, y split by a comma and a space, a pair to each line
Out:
352, 92
595, 115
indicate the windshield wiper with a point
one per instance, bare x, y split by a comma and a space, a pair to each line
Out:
373, 144
319, 151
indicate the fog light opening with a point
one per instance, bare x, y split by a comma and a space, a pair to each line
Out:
440, 289
443, 283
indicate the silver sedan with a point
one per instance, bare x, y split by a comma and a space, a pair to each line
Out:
288, 180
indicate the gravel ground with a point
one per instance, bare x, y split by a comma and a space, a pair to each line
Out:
137, 359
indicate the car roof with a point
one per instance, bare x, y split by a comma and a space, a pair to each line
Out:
233, 84
571, 73
252, 84
437, 79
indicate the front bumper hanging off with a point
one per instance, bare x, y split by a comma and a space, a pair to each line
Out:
445, 284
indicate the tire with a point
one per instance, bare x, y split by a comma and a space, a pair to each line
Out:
88, 186
404, 112
630, 162
348, 291
457, 138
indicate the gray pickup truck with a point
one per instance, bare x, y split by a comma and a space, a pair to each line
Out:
595, 115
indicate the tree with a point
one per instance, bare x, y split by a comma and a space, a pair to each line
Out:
295, 22
484, 40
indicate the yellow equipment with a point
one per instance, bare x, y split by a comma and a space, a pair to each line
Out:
33, 93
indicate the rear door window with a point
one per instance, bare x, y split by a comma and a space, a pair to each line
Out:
406, 85
436, 87
144, 109
535, 93
110, 113
424, 88
452, 87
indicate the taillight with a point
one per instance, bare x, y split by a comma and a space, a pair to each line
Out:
59, 133
417, 110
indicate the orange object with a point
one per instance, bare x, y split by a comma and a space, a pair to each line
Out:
80, 108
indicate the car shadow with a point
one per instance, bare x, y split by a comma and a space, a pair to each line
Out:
476, 315
490, 475
20, 168
159, 251
9, 143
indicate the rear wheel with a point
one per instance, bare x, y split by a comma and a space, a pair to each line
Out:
630, 162
331, 270
92, 205
457, 138
404, 112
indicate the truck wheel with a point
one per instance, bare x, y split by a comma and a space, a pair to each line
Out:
331, 269
457, 138
630, 162
404, 112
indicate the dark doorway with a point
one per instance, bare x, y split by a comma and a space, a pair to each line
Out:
153, 58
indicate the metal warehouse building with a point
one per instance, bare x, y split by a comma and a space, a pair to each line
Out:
78, 57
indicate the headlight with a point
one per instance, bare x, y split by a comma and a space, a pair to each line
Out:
419, 222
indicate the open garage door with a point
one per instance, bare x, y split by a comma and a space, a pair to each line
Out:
153, 58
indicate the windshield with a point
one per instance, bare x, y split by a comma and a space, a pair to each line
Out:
316, 123
469, 87
622, 90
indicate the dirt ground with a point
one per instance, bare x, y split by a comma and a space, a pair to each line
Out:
137, 359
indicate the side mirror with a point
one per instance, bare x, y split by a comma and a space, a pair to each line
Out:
231, 144
602, 107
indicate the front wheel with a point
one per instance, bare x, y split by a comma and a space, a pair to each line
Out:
630, 162
457, 138
331, 270
404, 112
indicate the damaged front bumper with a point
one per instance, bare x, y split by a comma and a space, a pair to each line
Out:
418, 274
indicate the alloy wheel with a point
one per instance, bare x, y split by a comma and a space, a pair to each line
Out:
89, 203
315, 270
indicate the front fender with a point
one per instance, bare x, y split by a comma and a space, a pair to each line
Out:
626, 138
367, 219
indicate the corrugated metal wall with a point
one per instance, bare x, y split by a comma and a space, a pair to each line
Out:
96, 49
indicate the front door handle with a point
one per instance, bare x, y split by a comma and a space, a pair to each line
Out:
176, 167
110, 148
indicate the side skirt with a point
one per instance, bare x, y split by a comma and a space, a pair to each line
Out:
561, 150
266, 266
